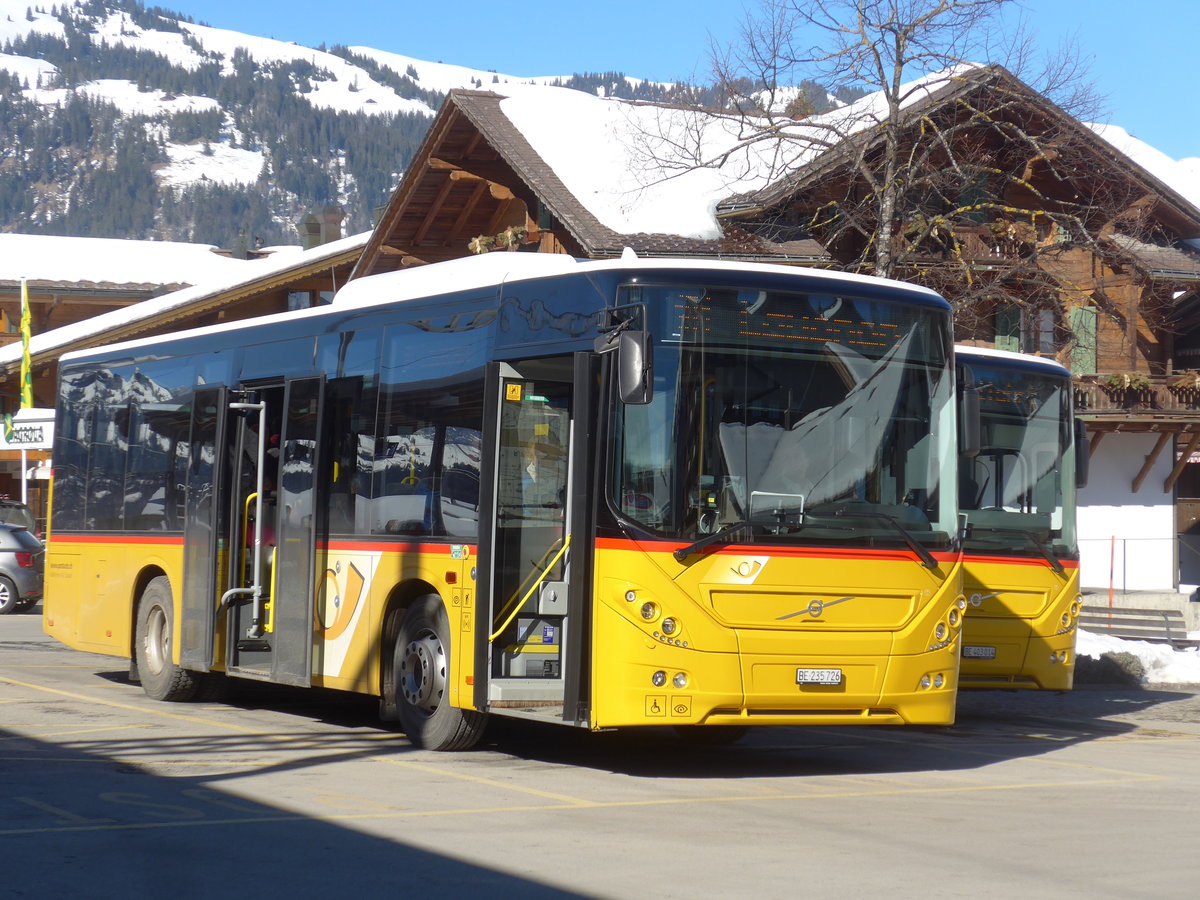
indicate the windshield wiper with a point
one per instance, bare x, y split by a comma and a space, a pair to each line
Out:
914, 545
684, 552
1039, 546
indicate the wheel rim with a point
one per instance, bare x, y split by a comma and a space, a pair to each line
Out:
158, 640
423, 672
6, 596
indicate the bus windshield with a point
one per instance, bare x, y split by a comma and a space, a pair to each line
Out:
788, 417
1018, 493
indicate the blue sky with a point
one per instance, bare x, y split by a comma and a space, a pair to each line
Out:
1142, 55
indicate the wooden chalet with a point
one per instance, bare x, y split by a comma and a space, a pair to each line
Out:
477, 178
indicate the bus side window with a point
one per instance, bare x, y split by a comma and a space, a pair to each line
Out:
403, 489
459, 495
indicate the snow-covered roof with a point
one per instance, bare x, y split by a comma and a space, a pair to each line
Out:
61, 260
214, 285
648, 168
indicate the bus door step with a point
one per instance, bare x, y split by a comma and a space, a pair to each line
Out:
257, 645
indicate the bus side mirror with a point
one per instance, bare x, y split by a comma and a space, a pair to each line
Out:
634, 367
634, 363
969, 428
1083, 454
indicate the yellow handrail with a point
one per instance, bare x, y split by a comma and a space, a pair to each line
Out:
542, 577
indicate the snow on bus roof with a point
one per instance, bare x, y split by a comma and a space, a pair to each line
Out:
491, 269
1023, 359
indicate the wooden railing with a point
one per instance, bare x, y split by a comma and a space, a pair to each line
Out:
1172, 394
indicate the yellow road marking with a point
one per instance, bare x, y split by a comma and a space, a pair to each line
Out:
433, 770
617, 804
179, 717
93, 729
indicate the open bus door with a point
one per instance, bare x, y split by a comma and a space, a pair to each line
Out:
535, 550
253, 515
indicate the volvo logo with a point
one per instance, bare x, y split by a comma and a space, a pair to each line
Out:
815, 608
976, 600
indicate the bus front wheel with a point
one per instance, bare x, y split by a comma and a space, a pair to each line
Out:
421, 667
161, 678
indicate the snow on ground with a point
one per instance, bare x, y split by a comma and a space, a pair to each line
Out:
437, 76
126, 97
28, 69
222, 165
1163, 664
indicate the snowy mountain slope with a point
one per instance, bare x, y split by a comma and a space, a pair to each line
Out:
230, 126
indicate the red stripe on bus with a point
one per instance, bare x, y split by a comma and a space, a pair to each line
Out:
772, 550
1018, 560
157, 539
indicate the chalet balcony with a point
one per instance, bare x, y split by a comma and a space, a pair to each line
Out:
1139, 395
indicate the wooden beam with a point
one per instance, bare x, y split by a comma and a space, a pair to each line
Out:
458, 173
1150, 459
1097, 437
431, 214
467, 210
1193, 442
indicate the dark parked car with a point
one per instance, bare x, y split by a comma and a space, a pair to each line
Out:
14, 512
22, 561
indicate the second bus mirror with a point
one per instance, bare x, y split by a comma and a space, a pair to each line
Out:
634, 367
1083, 454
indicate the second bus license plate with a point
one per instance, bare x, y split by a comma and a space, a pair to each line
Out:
818, 676
978, 652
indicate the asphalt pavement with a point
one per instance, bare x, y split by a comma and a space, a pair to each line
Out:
301, 793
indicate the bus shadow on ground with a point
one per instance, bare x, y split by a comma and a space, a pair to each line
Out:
991, 727
78, 822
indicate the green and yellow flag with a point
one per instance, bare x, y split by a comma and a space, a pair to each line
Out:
26, 368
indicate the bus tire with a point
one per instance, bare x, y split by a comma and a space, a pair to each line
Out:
161, 678
10, 598
421, 667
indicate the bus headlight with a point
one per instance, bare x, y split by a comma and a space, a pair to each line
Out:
630, 595
669, 626
953, 617
650, 611
659, 678
680, 680
925, 682
939, 633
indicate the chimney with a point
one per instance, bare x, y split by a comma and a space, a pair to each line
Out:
310, 231
331, 223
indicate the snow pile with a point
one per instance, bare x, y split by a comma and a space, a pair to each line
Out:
1163, 664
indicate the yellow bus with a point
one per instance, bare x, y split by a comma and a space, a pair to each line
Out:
1021, 575
630, 492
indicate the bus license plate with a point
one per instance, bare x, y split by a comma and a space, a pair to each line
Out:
818, 676
970, 652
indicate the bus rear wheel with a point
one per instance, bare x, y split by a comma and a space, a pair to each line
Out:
421, 667
161, 678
